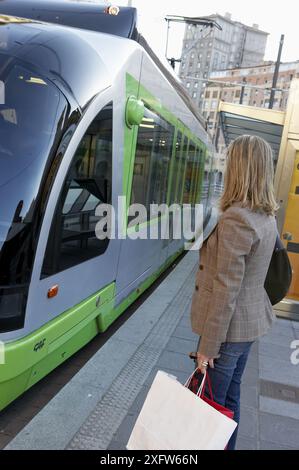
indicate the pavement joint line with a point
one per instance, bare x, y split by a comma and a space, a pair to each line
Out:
98, 430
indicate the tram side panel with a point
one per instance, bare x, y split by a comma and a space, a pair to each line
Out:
151, 176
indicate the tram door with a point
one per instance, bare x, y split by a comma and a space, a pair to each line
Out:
290, 233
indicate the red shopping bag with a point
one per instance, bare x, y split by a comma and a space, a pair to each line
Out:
197, 384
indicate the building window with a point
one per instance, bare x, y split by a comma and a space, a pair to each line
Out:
88, 184
237, 94
194, 94
196, 85
215, 94
188, 85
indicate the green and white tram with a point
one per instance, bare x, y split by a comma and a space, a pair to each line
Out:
87, 116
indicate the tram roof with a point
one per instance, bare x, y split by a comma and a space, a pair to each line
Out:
77, 14
238, 120
89, 16
81, 63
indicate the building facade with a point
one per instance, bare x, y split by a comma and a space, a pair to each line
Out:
249, 85
205, 51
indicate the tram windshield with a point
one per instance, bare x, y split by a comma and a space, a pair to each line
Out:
31, 110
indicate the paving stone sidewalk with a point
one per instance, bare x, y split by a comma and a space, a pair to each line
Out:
270, 389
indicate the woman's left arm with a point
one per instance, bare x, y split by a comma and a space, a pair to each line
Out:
235, 239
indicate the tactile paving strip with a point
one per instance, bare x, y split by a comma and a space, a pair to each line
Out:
98, 430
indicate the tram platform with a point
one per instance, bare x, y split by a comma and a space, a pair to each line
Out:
97, 409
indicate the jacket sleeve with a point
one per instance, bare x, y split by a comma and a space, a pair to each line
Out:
235, 239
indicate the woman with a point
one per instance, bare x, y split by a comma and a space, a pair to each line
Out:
230, 307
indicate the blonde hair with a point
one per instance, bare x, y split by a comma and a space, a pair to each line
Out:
249, 175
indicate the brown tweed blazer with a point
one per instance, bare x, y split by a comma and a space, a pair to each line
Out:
229, 301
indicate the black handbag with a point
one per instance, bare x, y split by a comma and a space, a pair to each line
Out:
279, 275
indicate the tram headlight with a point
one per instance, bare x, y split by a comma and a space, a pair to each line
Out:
112, 10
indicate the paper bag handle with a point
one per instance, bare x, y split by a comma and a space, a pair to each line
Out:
202, 382
202, 385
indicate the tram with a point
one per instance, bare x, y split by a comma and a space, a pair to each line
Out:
87, 114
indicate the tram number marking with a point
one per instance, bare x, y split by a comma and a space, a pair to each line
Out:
39, 345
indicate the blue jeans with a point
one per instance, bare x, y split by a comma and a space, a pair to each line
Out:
226, 379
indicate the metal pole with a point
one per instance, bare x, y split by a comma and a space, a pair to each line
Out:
276, 71
167, 38
242, 91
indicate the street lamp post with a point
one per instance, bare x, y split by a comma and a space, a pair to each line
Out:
276, 72
167, 37
242, 91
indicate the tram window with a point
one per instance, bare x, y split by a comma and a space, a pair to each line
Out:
152, 161
195, 188
176, 164
189, 174
88, 184
181, 171
199, 184
32, 119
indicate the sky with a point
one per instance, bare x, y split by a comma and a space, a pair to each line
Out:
268, 14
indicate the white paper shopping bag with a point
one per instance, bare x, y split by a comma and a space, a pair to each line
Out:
174, 418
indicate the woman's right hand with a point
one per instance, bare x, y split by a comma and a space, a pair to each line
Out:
203, 362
